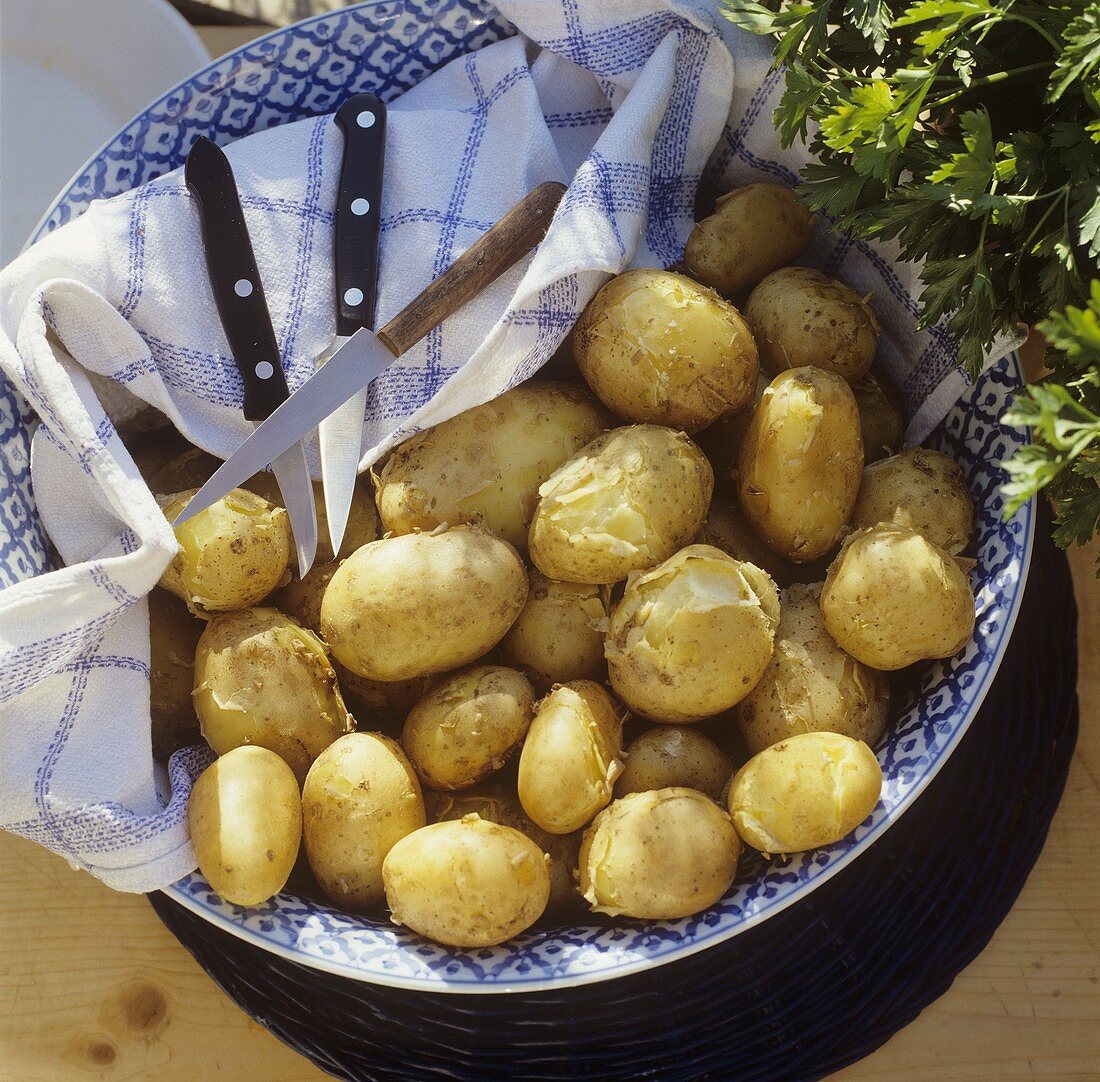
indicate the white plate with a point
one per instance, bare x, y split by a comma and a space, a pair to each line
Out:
72, 72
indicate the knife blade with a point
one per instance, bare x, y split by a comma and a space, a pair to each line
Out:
368, 353
242, 307
362, 119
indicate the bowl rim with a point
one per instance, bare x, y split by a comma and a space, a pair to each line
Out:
674, 950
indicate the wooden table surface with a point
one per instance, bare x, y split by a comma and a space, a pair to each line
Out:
93, 986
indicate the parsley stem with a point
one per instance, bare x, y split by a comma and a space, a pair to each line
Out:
989, 80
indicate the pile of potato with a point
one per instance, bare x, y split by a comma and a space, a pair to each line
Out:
560, 567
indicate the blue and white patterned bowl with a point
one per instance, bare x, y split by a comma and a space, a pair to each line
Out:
386, 47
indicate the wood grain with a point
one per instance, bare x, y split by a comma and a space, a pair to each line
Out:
93, 987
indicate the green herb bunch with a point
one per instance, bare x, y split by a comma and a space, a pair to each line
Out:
969, 130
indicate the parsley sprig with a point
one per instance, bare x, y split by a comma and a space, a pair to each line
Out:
969, 131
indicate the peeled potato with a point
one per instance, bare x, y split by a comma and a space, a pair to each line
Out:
804, 792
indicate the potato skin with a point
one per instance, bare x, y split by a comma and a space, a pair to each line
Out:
800, 463
557, 636
668, 756
753, 231
800, 317
493, 802
245, 818
658, 348
262, 679
360, 798
880, 419
571, 756
231, 556
173, 637
625, 502
892, 598
810, 684
468, 883
658, 855
806, 791
418, 604
690, 638
922, 490
485, 465
468, 725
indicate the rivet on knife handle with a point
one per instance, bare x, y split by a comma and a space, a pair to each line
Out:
483, 262
362, 119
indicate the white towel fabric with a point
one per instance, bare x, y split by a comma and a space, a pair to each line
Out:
626, 100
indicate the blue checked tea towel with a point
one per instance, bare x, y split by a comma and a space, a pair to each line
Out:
632, 102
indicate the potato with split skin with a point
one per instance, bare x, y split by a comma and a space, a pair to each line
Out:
231, 556
658, 348
494, 803
360, 798
811, 684
173, 636
892, 598
801, 317
691, 637
753, 231
245, 819
558, 636
800, 463
571, 757
658, 855
468, 725
262, 679
625, 502
418, 604
468, 883
921, 490
880, 418
670, 755
807, 791
485, 465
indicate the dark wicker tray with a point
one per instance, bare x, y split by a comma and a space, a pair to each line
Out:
814, 988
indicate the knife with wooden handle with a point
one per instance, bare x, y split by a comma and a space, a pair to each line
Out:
367, 354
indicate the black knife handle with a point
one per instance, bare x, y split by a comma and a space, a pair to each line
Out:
235, 279
362, 119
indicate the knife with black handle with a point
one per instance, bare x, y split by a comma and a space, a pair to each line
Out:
242, 306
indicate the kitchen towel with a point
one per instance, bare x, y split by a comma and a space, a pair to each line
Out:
633, 103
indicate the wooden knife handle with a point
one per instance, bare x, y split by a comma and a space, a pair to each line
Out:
483, 262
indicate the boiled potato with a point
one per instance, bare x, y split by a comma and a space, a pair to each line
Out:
485, 465
558, 637
625, 502
468, 883
468, 725
922, 490
385, 700
262, 679
810, 684
892, 597
673, 756
418, 604
231, 556
245, 818
753, 231
721, 442
807, 791
173, 637
690, 638
800, 463
571, 756
658, 855
494, 803
360, 798
802, 317
880, 419
658, 348
726, 528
